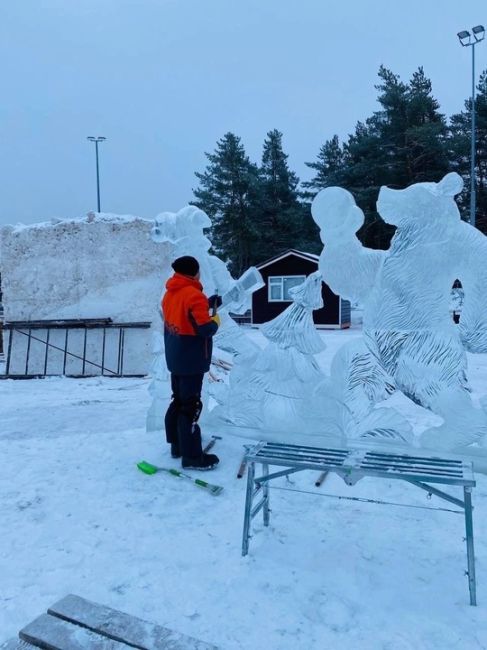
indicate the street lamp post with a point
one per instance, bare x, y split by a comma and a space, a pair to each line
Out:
471, 40
96, 141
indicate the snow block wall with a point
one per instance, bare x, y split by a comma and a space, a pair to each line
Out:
102, 266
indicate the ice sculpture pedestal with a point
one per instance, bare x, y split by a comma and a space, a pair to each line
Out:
353, 464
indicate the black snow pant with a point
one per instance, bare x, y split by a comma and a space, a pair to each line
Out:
181, 419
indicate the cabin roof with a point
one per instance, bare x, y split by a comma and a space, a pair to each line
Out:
311, 257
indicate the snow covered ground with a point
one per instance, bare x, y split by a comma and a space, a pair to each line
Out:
78, 517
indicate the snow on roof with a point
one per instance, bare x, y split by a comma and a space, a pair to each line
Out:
307, 256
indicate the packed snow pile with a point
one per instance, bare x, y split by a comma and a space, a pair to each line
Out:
101, 266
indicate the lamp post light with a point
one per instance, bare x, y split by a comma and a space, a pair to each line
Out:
96, 141
468, 39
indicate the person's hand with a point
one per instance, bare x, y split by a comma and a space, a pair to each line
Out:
216, 319
214, 301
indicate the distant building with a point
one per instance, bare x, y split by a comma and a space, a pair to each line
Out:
288, 270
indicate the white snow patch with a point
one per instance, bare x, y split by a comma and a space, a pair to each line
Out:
77, 516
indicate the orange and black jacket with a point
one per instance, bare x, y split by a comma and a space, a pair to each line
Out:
188, 327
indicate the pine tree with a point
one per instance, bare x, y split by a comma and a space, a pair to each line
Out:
328, 167
280, 213
426, 133
460, 143
404, 142
370, 164
228, 193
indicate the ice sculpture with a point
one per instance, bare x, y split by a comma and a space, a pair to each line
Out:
359, 379
406, 292
237, 296
270, 395
294, 327
285, 393
183, 232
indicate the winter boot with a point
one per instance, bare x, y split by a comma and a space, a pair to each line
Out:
175, 452
203, 462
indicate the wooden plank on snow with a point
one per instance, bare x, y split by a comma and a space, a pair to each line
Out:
52, 633
119, 626
16, 644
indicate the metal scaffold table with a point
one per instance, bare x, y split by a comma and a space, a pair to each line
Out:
352, 465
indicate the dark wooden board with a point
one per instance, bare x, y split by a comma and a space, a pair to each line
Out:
119, 626
17, 644
52, 633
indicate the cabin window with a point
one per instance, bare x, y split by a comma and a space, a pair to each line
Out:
279, 286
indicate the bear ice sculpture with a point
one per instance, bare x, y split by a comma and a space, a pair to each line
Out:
406, 292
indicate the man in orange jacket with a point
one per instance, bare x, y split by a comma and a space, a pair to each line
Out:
188, 332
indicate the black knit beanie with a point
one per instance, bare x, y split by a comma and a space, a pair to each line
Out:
186, 265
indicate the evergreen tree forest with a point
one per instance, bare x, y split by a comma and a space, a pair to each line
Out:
261, 209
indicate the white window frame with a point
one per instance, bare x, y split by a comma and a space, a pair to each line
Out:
281, 285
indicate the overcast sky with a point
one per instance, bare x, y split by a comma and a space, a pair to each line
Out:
163, 80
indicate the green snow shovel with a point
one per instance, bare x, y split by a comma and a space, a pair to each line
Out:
148, 468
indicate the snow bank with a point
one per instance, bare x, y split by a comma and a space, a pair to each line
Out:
102, 266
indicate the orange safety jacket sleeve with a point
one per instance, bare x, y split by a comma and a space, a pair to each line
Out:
199, 316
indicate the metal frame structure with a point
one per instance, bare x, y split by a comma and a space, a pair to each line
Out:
471, 40
97, 140
352, 465
26, 328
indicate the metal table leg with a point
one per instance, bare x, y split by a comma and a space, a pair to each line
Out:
467, 492
248, 508
265, 486
9, 351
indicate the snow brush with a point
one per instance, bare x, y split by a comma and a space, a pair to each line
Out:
148, 468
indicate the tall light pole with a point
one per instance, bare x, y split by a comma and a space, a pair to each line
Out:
471, 40
96, 141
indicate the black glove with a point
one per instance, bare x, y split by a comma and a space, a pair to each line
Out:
214, 301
